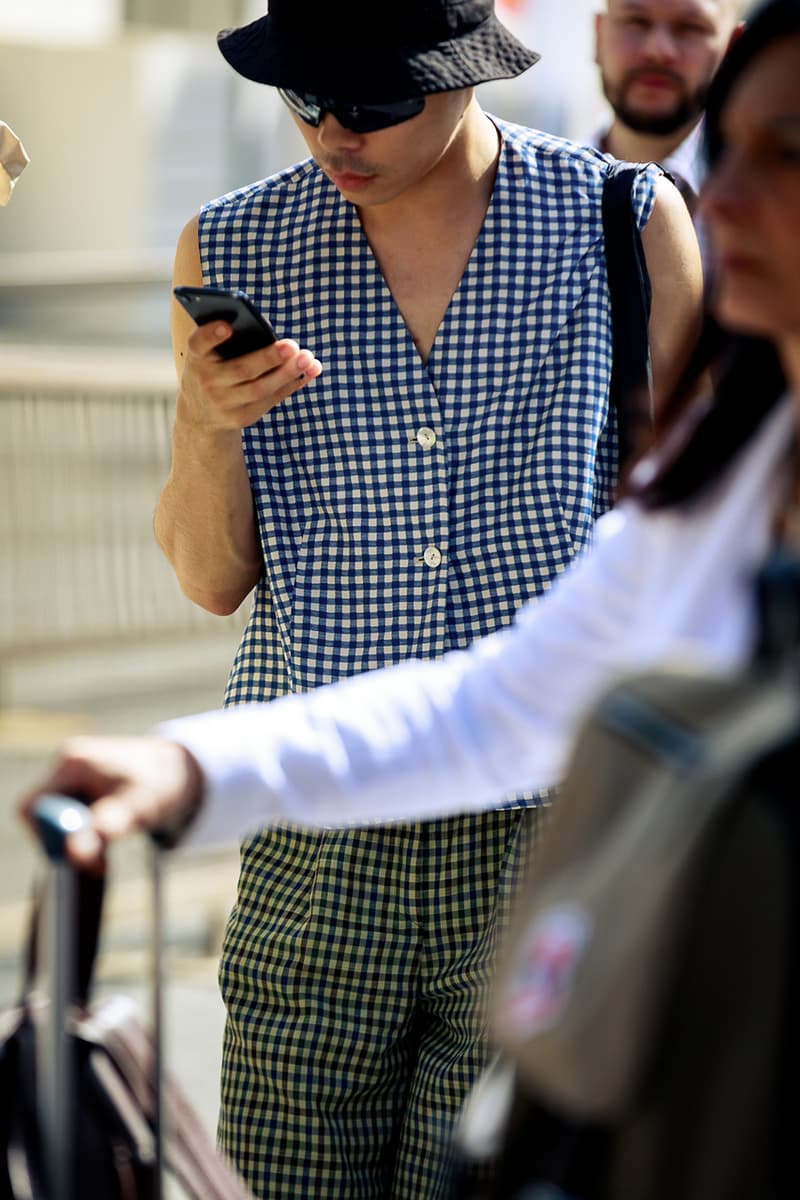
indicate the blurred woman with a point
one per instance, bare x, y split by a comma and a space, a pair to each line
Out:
670, 573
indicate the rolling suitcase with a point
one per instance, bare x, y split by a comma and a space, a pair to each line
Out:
86, 1111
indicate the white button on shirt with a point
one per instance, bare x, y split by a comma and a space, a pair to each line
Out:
426, 437
432, 557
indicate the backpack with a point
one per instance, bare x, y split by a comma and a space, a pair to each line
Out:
642, 1011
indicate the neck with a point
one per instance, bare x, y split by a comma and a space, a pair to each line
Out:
626, 143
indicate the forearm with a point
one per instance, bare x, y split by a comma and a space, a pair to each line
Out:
205, 521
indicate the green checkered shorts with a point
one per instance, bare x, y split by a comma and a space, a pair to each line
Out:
354, 974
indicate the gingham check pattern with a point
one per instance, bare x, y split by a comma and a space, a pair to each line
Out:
354, 963
348, 498
355, 975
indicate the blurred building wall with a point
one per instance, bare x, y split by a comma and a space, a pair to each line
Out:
59, 23
561, 93
129, 131
130, 127
125, 138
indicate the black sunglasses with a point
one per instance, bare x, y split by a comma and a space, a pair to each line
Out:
360, 118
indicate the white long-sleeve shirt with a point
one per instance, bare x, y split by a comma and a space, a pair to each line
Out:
428, 739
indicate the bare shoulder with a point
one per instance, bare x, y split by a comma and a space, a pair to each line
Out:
187, 268
676, 279
670, 228
187, 271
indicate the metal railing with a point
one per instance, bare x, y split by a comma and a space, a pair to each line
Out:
84, 452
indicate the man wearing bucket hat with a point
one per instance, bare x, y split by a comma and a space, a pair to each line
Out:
435, 458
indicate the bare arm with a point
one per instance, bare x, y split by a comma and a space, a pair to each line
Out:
676, 278
205, 521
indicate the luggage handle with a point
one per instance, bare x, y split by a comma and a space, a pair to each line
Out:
80, 896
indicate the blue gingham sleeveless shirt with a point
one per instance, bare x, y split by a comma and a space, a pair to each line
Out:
406, 508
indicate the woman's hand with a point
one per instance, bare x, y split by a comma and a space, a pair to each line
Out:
132, 785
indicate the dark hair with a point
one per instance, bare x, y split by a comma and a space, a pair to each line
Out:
766, 23
746, 372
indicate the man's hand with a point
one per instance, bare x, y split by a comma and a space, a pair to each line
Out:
229, 394
133, 784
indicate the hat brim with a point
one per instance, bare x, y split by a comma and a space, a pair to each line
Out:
374, 74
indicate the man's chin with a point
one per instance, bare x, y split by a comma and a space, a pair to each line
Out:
657, 124
676, 113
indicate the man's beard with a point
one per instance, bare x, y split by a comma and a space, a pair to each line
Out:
687, 108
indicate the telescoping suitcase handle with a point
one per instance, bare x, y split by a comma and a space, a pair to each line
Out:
55, 818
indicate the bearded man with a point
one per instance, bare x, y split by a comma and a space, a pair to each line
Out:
656, 60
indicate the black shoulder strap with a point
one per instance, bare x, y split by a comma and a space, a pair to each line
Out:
629, 287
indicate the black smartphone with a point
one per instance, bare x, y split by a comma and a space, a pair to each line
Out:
251, 331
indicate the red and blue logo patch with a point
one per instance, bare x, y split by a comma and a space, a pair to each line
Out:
548, 958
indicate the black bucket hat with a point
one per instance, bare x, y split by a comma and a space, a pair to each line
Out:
375, 51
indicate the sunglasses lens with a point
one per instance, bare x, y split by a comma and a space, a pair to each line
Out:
369, 118
306, 107
360, 118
